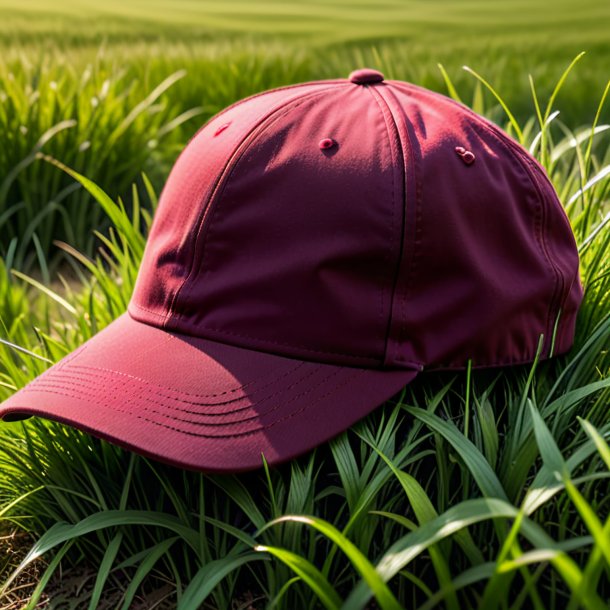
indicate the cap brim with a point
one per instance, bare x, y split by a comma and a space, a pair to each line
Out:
200, 404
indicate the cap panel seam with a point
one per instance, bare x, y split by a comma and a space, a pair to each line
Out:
219, 331
394, 141
370, 359
410, 250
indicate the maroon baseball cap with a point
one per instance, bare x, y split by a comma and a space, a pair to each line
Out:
316, 247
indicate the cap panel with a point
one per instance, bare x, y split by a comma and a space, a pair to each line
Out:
480, 285
298, 252
169, 250
408, 162
557, 241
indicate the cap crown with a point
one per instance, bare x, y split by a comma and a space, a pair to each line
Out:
382, 248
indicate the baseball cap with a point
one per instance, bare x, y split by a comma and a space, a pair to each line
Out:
315, 248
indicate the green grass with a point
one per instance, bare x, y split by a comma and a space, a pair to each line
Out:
317, 20
480, 489
72, 72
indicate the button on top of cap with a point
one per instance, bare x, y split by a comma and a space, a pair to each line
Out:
364, 76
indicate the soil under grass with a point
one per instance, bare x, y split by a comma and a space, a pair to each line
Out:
71, 586
14, 546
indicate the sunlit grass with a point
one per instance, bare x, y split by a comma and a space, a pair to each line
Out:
479, 489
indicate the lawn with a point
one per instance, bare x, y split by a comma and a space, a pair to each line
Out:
480, 489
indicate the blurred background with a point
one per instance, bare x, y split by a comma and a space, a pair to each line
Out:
115, 89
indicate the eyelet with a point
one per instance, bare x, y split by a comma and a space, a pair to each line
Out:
326, 143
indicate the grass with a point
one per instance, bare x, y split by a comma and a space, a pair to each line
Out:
316, 21
480, 489
80, 80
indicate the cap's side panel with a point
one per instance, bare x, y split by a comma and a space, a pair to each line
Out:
480, 286
169, 251
554, 235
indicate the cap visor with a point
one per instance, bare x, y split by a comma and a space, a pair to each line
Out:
200, 404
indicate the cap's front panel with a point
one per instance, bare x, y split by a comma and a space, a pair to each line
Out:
183, 202
302, 241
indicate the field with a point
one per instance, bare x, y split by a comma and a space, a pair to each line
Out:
466, 491
66, 81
